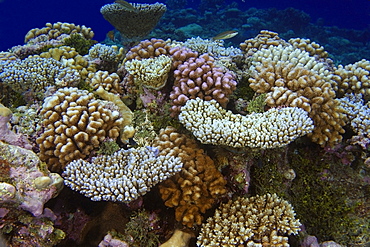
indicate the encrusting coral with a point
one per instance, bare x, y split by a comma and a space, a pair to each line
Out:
24, 181
75, 124
136, 22
123, 176
255, 221
291, 77
197, 186
211, 124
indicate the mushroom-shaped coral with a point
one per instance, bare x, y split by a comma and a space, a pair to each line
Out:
25, 182
198, 77
123, 176
211, 124
135, 21
255, 221
75, 124
196, 188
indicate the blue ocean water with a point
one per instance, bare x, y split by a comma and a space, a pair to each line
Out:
17, 17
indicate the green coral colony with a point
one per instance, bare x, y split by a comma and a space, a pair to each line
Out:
261, 145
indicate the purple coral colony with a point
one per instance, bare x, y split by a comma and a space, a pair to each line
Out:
159, 137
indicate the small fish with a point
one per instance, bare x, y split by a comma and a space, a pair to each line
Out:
225, 35
110, 35
127, 5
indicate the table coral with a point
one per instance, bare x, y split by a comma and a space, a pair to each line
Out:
135, 23
75, 124
199, 77
255, 221
291, 77
211, 124
197, 187
124, 176
24, 181
150, 72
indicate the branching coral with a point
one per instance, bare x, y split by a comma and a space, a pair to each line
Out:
35, 74
75, 124
150, 72
124, 176
255, 221
199, 77
56, 30
291, 77
197, 187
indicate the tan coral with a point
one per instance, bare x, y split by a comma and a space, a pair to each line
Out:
197, 186
255, 221
68, 56
263, 40
110, 82
134, 23
55, 30
291, 77
354, 78
148, 49
313, 48
150, 72
75, 124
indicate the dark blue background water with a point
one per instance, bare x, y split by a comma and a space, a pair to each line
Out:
17, 17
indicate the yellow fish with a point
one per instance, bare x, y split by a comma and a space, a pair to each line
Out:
127, 5
225, 35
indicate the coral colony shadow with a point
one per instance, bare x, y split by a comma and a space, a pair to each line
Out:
183, 124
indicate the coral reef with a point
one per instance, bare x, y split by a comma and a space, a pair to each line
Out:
124, 176
136, 23
211, 124
255, 221
25, 182
197, 187
75, 124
